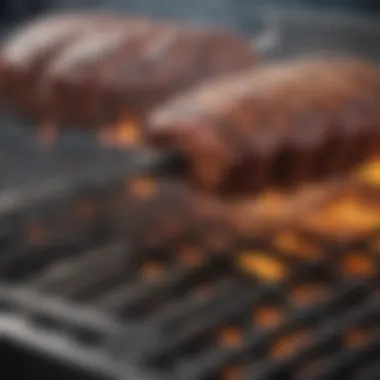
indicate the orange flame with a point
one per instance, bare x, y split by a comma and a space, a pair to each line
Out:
262, 266
267, 316
348, 215
369, 173
125, 133
357, 264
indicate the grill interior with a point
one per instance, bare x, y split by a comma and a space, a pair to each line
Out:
86, 292
182, 301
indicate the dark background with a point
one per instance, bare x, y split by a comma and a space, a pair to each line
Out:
230, 13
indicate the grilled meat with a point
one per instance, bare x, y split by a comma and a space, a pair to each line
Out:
284, 123
26, 52
96, 67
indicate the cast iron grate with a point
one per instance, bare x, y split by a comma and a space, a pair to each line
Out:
187, 311
198, 305
84, 289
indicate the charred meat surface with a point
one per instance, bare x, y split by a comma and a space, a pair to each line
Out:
98, 67
28, 50
283, 123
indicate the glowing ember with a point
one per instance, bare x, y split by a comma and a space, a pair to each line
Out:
262, 266
370, 173
290, 344
230, 337
295, 246
347, 216
267, 316
125, 133
357, 264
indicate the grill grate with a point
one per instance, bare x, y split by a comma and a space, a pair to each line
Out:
187, 312
86, 293
75, 286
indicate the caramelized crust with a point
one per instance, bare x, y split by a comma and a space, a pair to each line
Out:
97, 67
25, 53
284, 123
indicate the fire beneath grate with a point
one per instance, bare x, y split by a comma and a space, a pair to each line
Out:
199, 305
122, 280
